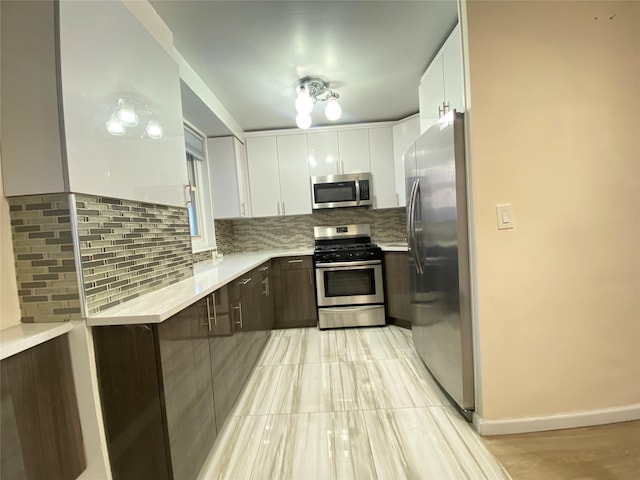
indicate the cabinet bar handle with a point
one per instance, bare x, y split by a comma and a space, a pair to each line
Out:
215, 313
239, 307
242, 209
244, 281
208, 322
283, 210
278, 208
397, 200
265, 282
310, 277
263, 269
296, 261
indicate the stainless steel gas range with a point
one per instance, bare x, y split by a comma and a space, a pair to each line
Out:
349, 282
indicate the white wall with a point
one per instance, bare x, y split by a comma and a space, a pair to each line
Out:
554, 130
9, 304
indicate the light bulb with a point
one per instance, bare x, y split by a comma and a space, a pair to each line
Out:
304, 103
154, 130
115, 127
303, 120
127, 115
333, 110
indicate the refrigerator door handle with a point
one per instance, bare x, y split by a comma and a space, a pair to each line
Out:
411, 237
418, 255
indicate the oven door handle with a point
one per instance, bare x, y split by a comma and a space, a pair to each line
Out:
343, 265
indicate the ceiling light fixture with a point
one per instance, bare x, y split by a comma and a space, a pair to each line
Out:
311, 90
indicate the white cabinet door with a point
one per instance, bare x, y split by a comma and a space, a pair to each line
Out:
353, 150
382, 167
223, 172
323, 153
452, 68
242, 168
262, 157
295, 184
405, 133
431, 94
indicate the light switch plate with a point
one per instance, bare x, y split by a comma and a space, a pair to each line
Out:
505, 216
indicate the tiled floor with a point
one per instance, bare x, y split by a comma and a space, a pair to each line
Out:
349, 404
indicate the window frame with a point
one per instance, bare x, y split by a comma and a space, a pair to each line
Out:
203, 192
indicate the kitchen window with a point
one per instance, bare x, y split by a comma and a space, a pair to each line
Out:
199, 192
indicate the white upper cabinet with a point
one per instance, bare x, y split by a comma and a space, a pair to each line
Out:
431, 94
102, 72
56, 124
229, 177
442, 85
405, 133
382, 167
323, 153
262, 158
295, 184
353, 151
452, 71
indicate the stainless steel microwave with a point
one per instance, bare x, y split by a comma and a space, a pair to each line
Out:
351, 190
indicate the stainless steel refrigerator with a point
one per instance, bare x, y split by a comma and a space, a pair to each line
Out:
439, 257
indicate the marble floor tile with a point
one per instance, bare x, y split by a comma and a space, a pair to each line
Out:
394, 384
284, 349
295, 447
257, 395
325, 445
234, 453
373, 344
349, 404
471, 453
404, 341
316, 387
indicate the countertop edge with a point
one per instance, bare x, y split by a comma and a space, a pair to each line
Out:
24, 336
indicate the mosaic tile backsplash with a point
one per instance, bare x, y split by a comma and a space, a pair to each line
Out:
45, 263
387, 225
130, 248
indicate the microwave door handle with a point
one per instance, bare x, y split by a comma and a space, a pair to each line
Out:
357, 182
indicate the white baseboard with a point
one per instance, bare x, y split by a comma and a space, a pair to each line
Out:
556, 422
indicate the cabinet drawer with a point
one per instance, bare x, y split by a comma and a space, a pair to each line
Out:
290, 263
242, 284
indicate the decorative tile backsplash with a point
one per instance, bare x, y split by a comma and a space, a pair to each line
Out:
130, 248
45, 263
387, 225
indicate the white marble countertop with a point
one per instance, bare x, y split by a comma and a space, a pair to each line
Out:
208, 276
394, 247
21, 337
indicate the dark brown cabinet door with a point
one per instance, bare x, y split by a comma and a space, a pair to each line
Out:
397, 285
131, 406
183, 343
297, 302
224, 355
40, 434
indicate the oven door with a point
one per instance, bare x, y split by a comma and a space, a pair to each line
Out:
349, 283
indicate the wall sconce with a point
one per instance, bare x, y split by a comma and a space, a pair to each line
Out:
127, 115
311, 90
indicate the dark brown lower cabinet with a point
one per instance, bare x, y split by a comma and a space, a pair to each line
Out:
295, 293
396, 273
167, 388
186, 383
40, 433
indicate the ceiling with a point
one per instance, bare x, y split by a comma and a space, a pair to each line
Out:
252, 53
